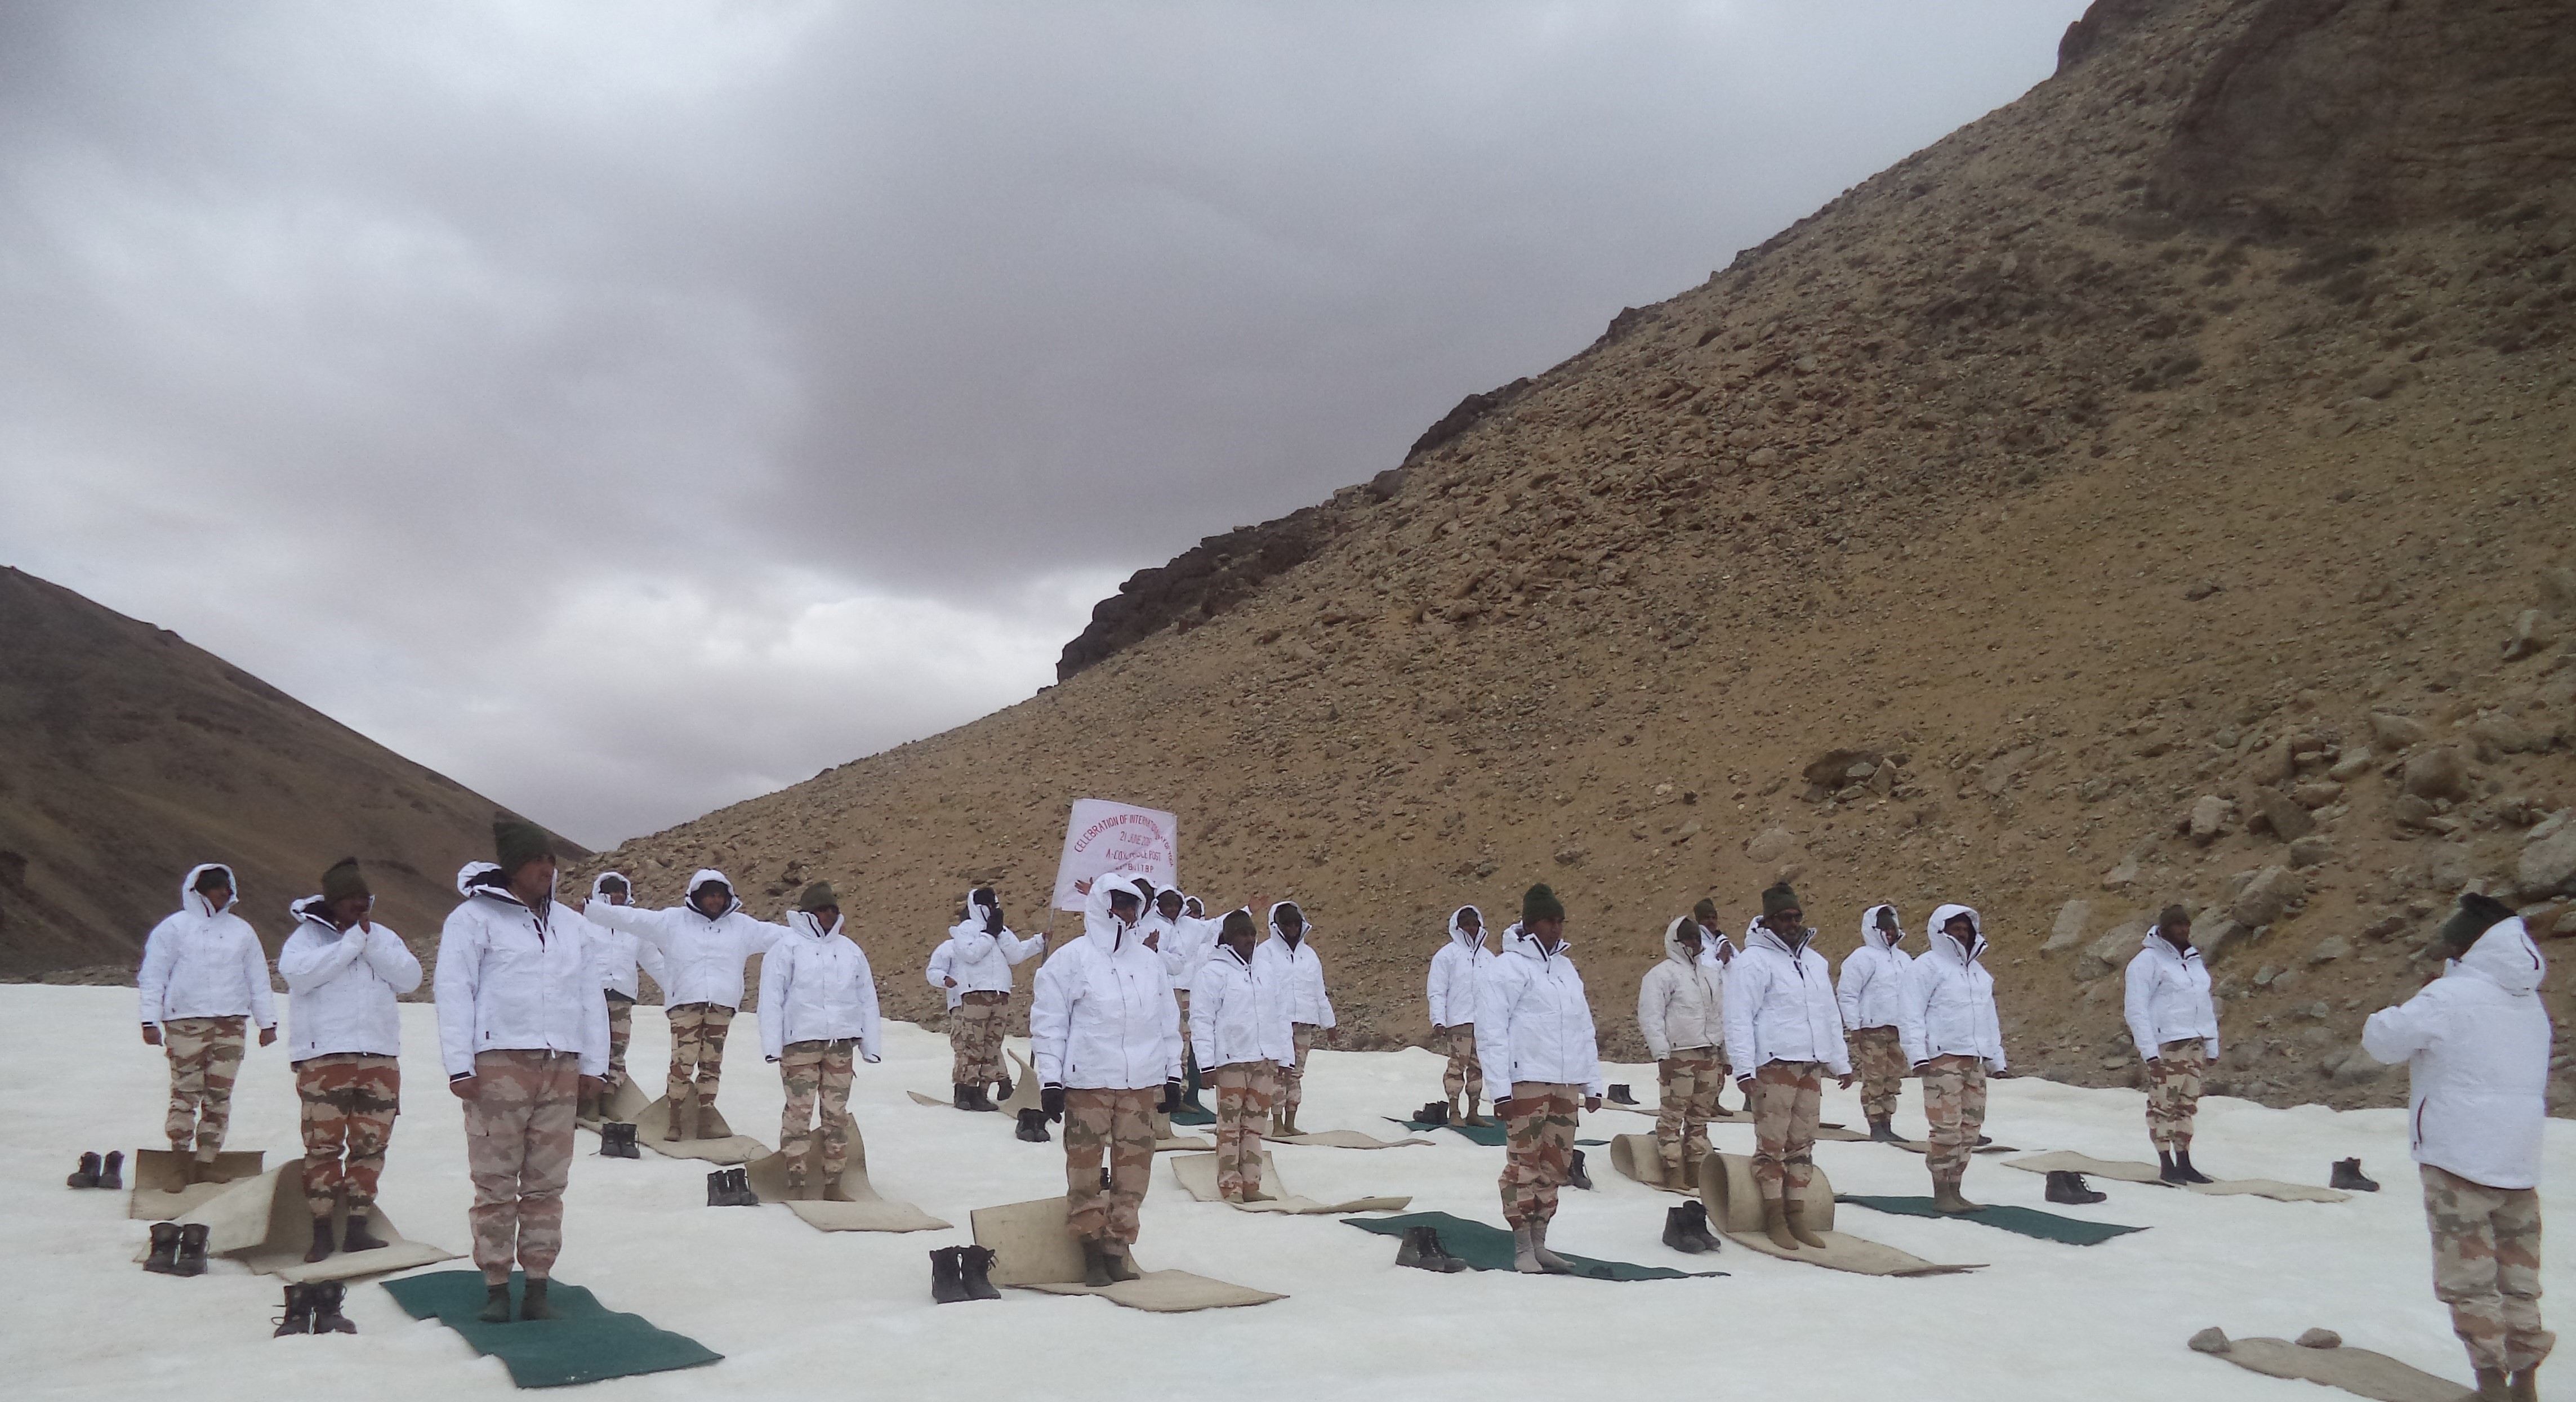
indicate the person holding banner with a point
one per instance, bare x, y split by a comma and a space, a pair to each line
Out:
1104, 1033
1289, 962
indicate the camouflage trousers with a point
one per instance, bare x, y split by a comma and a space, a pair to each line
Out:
1690, 1079
205, 1054
621, 1030
697, 1045
1465, 1074
518, 1150
350, 1100
1243, 1092
1538, 1150
810, 1071
1880, 1060
2173, 1092
1788, 1097
2486, 1267
1293, 1093
1954, 1100
975, 1038
1119, 1124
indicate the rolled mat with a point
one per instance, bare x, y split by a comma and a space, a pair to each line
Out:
1491, 1136
1197, 1175
1489, 1248
265, 1223
1735, 1209
1638, 1156
154, 1170
850, 1204
1032, 1250
2356, 1370
2021, 1221
2127, 1171
625, 1102
1924, 1146
585, 1341
722, 1146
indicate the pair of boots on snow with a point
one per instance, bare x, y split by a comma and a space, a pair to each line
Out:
617, 1140
177, 1250
1033, 1126
1686, 1229
1423, 1252
959, 1273
532, 1303
973, 1097
315, 1309
95, 1172
728, 1187
355, 1238
1106, 1263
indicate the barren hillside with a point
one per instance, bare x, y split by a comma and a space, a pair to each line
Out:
2156, 490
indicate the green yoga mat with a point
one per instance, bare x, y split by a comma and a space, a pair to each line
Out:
2023, 1221
1491, 1136
1187, 1116
583, 1343
1490, 1248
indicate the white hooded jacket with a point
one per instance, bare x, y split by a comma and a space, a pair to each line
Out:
980, 962
1681, 1003
1780, 1005
2476, 1047
1102, 1015
1455, 970
204, 961
1237, 1016
1533, 1022
1185, 941
705, 957
514, 979
342, 984
815, 986
2167, 998
1950, 998
1296, 971
620, 953
1871, 988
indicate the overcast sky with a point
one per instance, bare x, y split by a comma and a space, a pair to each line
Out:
629, 408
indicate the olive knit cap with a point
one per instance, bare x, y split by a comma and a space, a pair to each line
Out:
1778, 899
1540, 903
515, 843
344, 880
818, 896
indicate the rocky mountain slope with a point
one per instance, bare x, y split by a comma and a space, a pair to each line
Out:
2156, 490
128, 756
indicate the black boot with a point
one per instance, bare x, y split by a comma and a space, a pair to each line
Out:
1095, 1264
321, 1248
1698, 1225
946, 1286
2347, 1176
1033, 1126
1883, 1130
1676, 1233
532, 1301
2165, 1170
2069, 1187
1002, 1089
1122, 1266
626, 1141
962, 1096
983, 1101
85, 1176
717, 1196
496, 1304
1432, 1244
1576, 1176
1621, 1095
1420, 1250
165, 1249
2182, 1166
192, 1250
356, 1237
975, 1272
323, 1298
111, 1174
738, 1180
298, 1318
1434, 1113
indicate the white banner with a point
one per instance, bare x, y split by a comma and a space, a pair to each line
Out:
1104, 837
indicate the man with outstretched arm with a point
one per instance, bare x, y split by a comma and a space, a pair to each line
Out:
344, 1038
706, 942
524, 1035
1451, 992
1785, 1035
1534, 1033
972, 969
204, 979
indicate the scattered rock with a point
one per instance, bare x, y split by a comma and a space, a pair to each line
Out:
2316, 795
2317, 1011
2121, 874
1835, 768
1771, 845
2352, 1068
2385, 926
2437, 773
2069, 929
2412, 812
2273, 809
2267, 896
2314, 850
1571, 856
2530, 635
2209, 1340
2215, 935
2548, 865
2200, 589
2320, 1338
2206, 820
2497, 733
2111, 952
2355, 763
2558, 592
2329, 949
2396, 731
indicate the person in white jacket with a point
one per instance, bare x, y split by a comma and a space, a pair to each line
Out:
1104, 1036
204, 979
818, 1006
1534, 1035
2476, 1046
972, 969
1451, 992
523, 1033
1681, 1009
1952, 1036
1289, 961
1869, 991
2174, 1022
1239, 1027
705, 942
1785, 1035
343, 973
621, 955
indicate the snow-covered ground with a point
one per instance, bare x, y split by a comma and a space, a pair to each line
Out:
802, 1314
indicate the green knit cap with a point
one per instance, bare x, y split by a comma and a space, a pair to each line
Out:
2476, 914
344, 880
818, 896
1778, 899
1705, 912
515, 843
1541, 903
2172, 917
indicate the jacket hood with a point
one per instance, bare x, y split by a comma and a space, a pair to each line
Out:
804, 923
315, 909
2156, 941
1521, 942
601, 880
2506, 957
1757, 931
474, 876
975, 909
706, 874
1458, 933
1977, 927
1673, 940
1875, 938
1098, 925
194, 903
1305, 931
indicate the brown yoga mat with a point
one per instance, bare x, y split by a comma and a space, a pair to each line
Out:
265, 1223
153, 1170
2124, 1171
720, 1146
1197, 1175
2356, 1370
1033, 1251
851, 1204
1735, 1209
